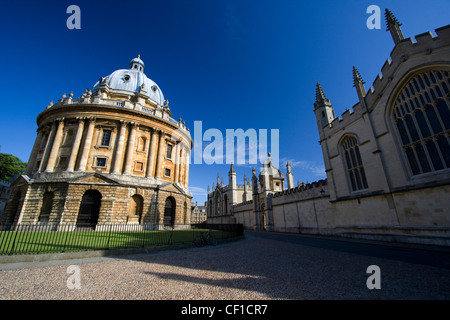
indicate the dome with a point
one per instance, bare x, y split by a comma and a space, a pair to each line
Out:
133, 80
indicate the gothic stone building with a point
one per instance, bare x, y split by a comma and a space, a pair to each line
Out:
114, 155
387, 160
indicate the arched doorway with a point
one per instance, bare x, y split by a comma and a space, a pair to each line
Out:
89, 208
169, 212
135, 209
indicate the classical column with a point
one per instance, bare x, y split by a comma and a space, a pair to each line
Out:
86, 145
55, 147
76, 145
186, 172
130, 149
159, 159
177, 162
34, 152
48, 147
119, 151
151, 155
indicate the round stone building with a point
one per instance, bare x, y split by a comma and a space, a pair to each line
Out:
113, 155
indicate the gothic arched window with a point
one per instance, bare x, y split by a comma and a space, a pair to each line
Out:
353, 163
422, 116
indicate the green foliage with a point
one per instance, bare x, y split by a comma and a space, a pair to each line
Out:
10, 165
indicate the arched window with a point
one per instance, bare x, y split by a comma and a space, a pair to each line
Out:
46, 208
353, 162
422, 117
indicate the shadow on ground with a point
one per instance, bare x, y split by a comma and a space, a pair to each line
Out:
284, 266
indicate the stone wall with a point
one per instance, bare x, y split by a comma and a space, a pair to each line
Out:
419, 215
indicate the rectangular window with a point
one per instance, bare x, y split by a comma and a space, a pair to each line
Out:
106, 138
169, 151
167, 172
101, 162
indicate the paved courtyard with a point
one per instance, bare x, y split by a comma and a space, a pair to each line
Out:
263, 266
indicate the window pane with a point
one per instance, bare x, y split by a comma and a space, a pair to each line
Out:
412, 161
423, 159
358, 156
445, 87
364, 180
106, 137
434, 121
101, 162
352, 155
347, 158
423, 125
412, 128
444, 112
358, 179
402, 131
169, 151
434, 155
445, 149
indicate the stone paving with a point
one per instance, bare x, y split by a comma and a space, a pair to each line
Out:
256, 268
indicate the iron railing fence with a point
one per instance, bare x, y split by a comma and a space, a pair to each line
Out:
54, 238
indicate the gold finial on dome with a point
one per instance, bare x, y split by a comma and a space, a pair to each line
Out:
139, 56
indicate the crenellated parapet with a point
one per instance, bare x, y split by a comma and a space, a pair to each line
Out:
307, 191
405, 51
406, 54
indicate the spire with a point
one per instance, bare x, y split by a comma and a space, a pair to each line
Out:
393, 26
232, 169
356, 77
322, 108
320, 95
289, 176
288, 167
358, 83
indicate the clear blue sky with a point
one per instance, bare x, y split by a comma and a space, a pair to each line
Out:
230, 64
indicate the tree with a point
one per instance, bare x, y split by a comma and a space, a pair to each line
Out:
10, 166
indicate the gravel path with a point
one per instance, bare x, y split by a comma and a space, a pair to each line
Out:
254, 268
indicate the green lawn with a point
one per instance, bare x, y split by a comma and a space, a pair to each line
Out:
31, 242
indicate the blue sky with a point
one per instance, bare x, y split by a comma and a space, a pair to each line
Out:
231, 64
